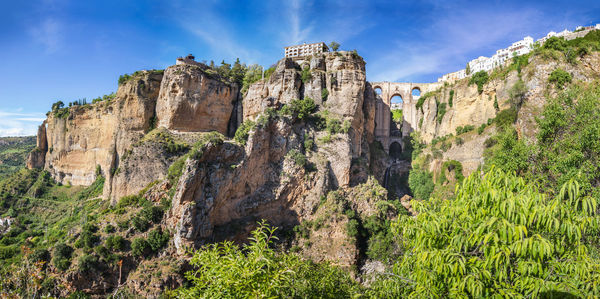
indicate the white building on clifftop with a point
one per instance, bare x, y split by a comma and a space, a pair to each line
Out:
305, 49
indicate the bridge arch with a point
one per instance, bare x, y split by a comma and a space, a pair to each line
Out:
416, 91
378, 90
384, 132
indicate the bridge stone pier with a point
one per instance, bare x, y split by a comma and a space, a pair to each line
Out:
385, 91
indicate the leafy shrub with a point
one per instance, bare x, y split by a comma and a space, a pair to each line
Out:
298, 158
465, 129
109, 228
87, 238
517, 93
306, 74
422, 99
115, 243
555, 43
7, 252
481, 129
480, 78
129, 201
243, 132
324, 94
483, 243
87, 263
506, 117
420, 183
62, 256
157, 239
510, 153
451, 165
450, 98
301, 109
496, 106
397, 115
40, 255
140, 247
257, 271
309, 142
560, 78
352, 228
441, 111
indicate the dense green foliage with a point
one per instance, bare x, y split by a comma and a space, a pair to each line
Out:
567, 143
500, 237
450, 98
480, 78
560, 78
302, 109
243, 132
453, 166
225, 270
334, 46
420, 183
441, 111
465, 129
306, 75
517, 94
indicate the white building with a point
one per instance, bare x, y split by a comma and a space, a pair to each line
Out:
305, 49
454, 76
517, 48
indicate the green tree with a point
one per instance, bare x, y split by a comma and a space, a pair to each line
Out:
225, 270
334, 46
500, 237
420, 183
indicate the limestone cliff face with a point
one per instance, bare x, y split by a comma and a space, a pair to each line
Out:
473, 108
187, 98
191, 99
96, 135
224, 191
337, 83
37, 158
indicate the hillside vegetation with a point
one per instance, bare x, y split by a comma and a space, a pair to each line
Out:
524, 224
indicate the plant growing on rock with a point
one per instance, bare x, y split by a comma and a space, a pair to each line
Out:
560, 78
480, 78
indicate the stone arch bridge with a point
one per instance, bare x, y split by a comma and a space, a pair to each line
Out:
389, 135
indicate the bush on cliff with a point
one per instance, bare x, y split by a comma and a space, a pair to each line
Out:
480, 78
243, 132
560, 78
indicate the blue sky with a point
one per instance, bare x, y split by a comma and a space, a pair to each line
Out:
67, 49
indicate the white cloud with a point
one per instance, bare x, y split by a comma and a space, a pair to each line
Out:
205, 23
19, 124
450, 40
298, 34
48, 33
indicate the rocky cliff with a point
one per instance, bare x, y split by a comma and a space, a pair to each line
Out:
288, 165
79, 143
473, 108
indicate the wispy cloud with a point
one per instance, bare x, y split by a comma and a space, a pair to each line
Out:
297, 33
214, 30
451, 40
48, 33
19, 124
